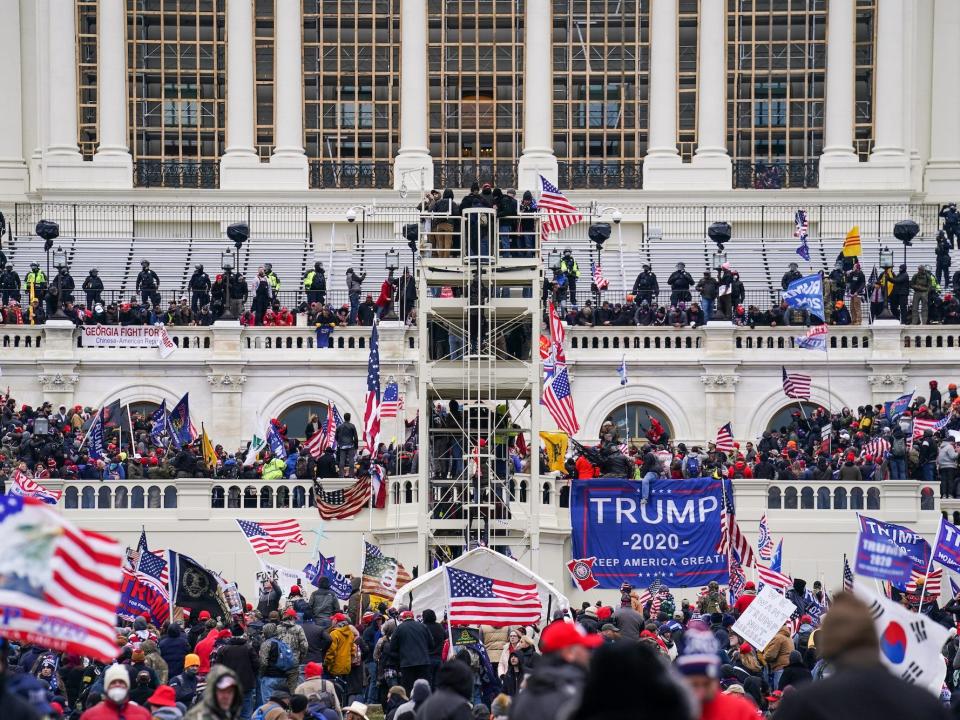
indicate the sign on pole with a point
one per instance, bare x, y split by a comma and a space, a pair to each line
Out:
764, 618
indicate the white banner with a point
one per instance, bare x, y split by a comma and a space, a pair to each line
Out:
284, 577
128, 336
764, 618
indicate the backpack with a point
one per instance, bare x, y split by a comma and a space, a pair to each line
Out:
692, 466
261, 712
898, 448
285, 660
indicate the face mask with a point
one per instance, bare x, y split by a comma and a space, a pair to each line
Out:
192, 670
117, 694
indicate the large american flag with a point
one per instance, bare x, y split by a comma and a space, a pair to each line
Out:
392, 403
557, 335
598, 279
371, 408
765, 541
731, 536
476, 600
929, 586
876, 448
154, 568
63, 582
796, 385
769, 576
341, 504
26, 486
325, 436
559, 213
922, 424
270, 538
559, 401
651, 592
725, 439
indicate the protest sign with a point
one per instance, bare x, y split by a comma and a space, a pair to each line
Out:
764, 618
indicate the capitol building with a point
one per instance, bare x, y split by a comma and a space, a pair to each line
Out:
144, 128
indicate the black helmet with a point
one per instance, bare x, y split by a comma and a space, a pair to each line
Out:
145, 263
93, 271
199, 268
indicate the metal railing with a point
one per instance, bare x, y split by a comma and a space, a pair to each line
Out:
203, 174
776, 175
601, 175
326, 175
287, 298
463, 174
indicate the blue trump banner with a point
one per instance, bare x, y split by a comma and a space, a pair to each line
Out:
139, 596
912, 543
896, 408
807, 294
947, 550
674, 536
878, 556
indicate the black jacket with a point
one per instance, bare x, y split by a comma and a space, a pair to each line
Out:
93, 283
173, 649
451, 699
680, 281
200, 282
346, 434
147, 280
239, 656
410, 644
16, 709
552, 685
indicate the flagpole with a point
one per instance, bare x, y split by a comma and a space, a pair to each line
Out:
926, 578
446, 584
170, 584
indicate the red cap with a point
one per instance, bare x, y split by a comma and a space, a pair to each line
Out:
164, 696
249, 607
745, 648
604, 612
560, 635
775, 695
312, 670
204, 615
406, 615
290, 612
806, 619
294, 589
338, 617
748, 585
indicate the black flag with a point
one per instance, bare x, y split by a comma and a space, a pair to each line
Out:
194, 587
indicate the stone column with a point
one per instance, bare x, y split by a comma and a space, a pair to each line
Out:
712, 156
889, 94
113, 149
537, 158
662, 161
943, 168
412, 168
240, 150
841, 90
62, 71
13, 168
288, 87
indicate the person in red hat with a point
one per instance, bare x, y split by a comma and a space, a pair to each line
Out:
561, 673
314, 683
699, 664
748, 596
163, 704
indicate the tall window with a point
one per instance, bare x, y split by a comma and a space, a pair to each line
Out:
776, 75
687, 49
351, 84
475, 62
176, 69
600, 90
87, 54
866, 30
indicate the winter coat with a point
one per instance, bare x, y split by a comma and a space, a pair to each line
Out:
410, 644
355, 604
777, 652
207, 708
240, 657
494, 640
630, 623
317, 685
185, 687
796, 673
324, 603
173, 649
317, 642
451, 699
204, 648
292, 635
155, 661
105, 710
338, 660
15, 708
551, 686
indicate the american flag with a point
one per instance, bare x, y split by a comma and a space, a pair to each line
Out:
154, 566
658, 601
765, 541
67, 581
731, 536
558, 400
341, 504
737, 579
598, 279
725, 439
475, 600
270, 538
920, 425
25, 486
557, 336
392, 402
560, 214
371, 409
382, 575
771, 577
847, 575
651, 592
876, 448
325, 436
930, 587
800, 219
817, 330
796, 385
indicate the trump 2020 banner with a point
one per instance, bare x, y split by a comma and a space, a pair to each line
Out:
673, 536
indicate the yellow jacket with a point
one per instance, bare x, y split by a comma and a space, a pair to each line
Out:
338, 660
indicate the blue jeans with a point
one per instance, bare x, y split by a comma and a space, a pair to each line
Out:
354, 307
246, 707
371, 696
645, 485
456, 462
927, 471
456, 346
269, 685
707, 306
898, 469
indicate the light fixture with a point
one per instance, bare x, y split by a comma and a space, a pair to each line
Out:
59, 258
553, 260
886, 258
392, 259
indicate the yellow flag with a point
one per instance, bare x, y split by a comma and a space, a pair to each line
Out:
851, 245
206, 447
555, 445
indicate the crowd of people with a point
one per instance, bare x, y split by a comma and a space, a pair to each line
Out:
297, 654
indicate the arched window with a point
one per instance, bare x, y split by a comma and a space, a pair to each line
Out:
408, 493
283, 497
790, 498
785, 416
103, 498
395, 493
121, 497
856, 498
546, 493
88, 498
823, 498
926, 498
141, 410
840, 498
873, 498
170, 496
71, 500
633, 420
136, 497
523, 491
217, 497
806, 498
233, 497
297, 416
774, 500
266, 497
249, 497
299, 497
153, 497
565, 496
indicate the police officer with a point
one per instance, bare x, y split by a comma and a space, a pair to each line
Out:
645, 287
951, 223
315, 284
272, 279
61, 290
569, 267
148, 283
680, 282
93, 287
36, 281
790, 276
9, 285
199, 289
942, 272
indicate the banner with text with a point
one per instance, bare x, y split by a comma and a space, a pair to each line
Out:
128, 336
673, 536
139, 596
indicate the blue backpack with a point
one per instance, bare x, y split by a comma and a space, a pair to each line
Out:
285, 660
692, 466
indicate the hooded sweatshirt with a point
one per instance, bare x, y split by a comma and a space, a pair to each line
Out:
418, 695
207, 708
451, 700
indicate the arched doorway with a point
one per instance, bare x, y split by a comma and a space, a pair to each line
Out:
297, 416
633, 420
784, 417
